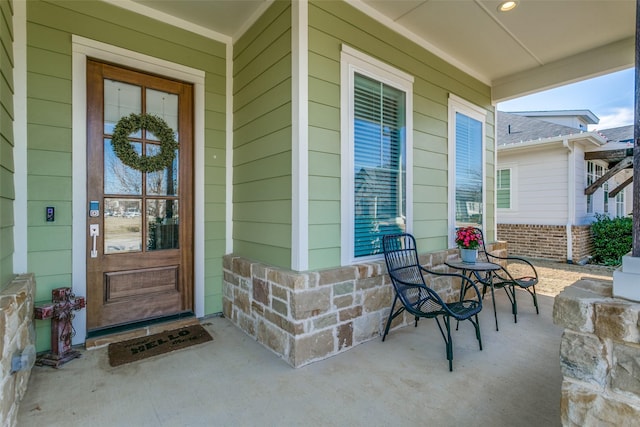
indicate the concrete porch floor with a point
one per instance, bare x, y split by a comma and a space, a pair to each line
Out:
234, 381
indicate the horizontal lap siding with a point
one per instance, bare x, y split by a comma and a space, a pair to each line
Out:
50, 26
330, 25
262, 139
541, 187
7, 192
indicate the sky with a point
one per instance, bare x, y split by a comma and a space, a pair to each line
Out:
609, 97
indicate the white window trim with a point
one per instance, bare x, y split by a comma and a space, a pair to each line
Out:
513, 195
597, 198
459, 105
352, 61
620, 202
589, 208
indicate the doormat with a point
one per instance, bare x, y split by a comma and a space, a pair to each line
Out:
153, 345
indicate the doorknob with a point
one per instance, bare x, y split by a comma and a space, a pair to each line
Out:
94, 231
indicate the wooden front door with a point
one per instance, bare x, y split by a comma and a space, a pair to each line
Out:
140, 225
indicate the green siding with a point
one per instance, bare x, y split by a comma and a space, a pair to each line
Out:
334, 23
7, 191
49, 73
262, 139
271, 121
272, 144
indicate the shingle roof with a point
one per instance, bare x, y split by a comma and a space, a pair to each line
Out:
514, 128
619, 134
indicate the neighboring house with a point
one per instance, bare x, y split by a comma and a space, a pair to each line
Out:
616, 153
292, 123
543, 170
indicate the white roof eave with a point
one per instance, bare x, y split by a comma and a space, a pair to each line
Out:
593, 138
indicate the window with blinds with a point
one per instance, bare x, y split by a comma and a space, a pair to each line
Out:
379, 164
469, 171
503, 188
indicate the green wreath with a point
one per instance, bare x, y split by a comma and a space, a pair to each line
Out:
127, 153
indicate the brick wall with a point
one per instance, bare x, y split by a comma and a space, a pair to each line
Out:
17, 332
309, 316
546, 241
583, 245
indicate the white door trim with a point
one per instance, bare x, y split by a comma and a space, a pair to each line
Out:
83, 48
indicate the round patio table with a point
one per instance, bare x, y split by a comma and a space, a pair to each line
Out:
468, 269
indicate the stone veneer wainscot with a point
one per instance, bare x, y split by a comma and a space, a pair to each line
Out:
16, 328
308, 316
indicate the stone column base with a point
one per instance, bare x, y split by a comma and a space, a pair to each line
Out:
599, 355
18, 334
626, 279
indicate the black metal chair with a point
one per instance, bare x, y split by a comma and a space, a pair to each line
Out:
407, 276
507, 278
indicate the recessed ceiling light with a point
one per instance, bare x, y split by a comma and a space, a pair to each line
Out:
506, 6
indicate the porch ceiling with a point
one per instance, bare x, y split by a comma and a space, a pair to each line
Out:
537, 46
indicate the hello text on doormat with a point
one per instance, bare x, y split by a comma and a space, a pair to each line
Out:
153, 345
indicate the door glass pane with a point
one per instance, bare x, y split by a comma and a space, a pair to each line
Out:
120, 100
163, 182
122, 225
162, 224
118, 177
165, 106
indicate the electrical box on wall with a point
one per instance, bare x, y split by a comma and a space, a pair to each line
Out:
50, 214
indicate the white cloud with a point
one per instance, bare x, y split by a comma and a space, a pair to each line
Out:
620, 117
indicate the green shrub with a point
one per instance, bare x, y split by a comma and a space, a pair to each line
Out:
612, 239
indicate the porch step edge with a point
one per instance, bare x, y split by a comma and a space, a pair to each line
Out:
94, 343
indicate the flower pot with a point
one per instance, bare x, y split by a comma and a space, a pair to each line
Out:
469, 255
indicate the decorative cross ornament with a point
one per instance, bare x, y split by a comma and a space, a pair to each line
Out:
60, 311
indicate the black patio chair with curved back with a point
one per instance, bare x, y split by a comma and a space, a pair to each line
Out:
507, 278
419, 300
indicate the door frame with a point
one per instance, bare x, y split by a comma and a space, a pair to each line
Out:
81, 49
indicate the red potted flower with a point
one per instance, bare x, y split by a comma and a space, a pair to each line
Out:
468, 240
